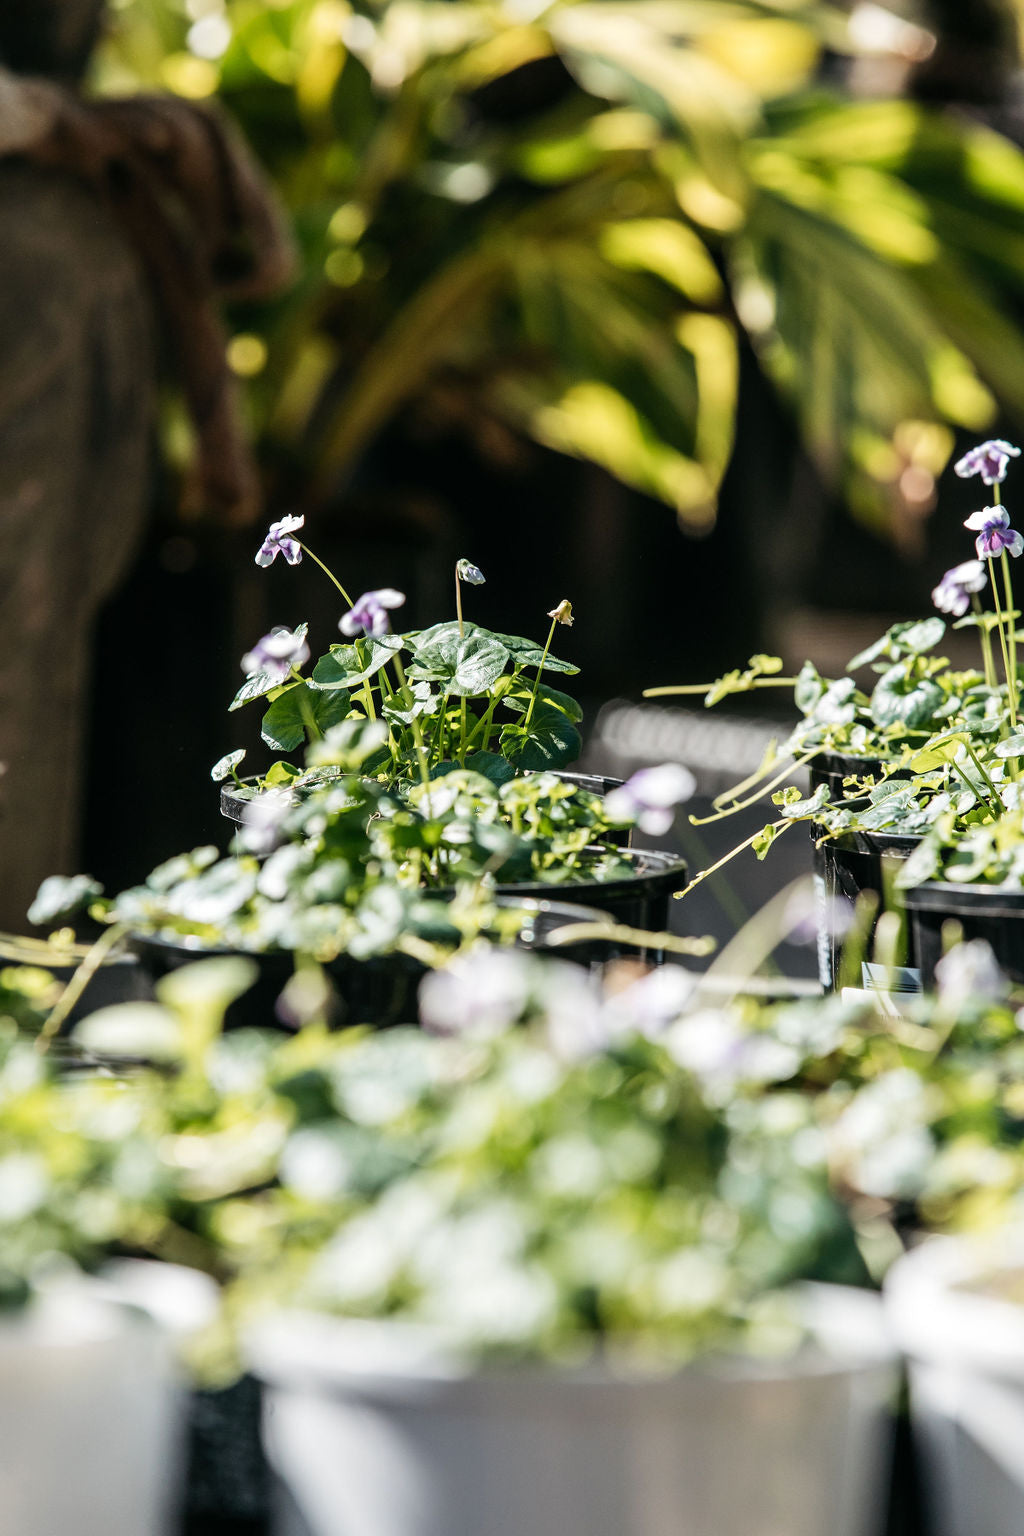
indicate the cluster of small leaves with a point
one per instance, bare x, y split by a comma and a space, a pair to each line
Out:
95, 1164
585, 1173
351, 866
476, 699
522, 1203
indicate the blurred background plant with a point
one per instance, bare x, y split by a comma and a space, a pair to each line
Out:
567, 219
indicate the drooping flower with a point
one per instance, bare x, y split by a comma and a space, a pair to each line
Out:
992, 525
953, 593
279, 542
369, 613
277, 653
989, 460
471, 574
650, 796
563, 613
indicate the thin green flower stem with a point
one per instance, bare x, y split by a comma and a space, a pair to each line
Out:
1011, 702
737, 790
1012, 630
442, 728
540, 669
78, 983
986, 644
996, 802
761, 682
780, 826
742, 805
417, 729
463, 724
326, 570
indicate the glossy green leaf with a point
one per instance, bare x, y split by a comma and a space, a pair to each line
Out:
285, 725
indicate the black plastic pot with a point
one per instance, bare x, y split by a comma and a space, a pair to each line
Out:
844, 868
991, 912
380, 990
847, 866
637, 901
832, 768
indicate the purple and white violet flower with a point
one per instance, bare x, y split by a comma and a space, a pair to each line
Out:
369, 613
953, 593
279, 542
992, 525
471, 574
989, 460
650, 796
277, 653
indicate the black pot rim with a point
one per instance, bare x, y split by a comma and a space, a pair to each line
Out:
232, 802
858, 841
965, 900
669, 873
846, 763
531, 906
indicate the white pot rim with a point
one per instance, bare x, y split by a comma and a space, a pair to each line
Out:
326, 1354
939, 1315
78, 1308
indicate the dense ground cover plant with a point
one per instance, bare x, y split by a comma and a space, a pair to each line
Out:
546, 1168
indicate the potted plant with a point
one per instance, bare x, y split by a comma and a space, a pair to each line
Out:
540, 1278
885, 767
379, 883
92, 1392
451, 696
955, 1309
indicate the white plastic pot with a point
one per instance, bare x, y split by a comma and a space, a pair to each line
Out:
91, 1405
372, 1433
965, 1345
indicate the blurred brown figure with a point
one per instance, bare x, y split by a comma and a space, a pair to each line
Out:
119, 220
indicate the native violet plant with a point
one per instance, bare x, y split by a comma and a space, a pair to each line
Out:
939, 747
453, 696
355, 866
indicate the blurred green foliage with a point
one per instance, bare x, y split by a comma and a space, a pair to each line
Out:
568, 217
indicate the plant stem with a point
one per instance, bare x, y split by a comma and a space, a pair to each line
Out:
540, 669
1011, 620
327, 572
996, 802
417, 729
712, 868
986, 644
742, 805
78, 983
1011, 701
313, 731
462, 701
761, 682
